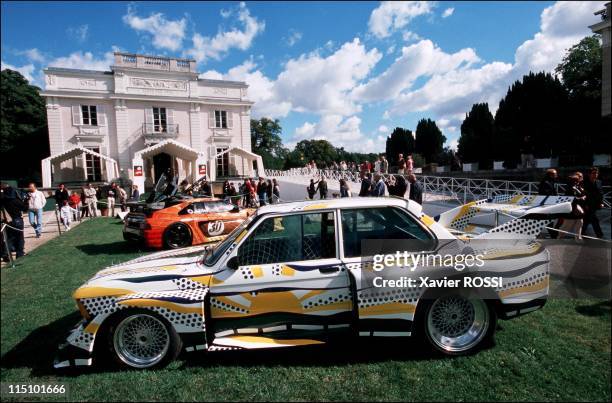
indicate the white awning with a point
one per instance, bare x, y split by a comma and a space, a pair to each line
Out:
247, 155
171, 147
112, 170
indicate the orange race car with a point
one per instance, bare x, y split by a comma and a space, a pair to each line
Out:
184, 223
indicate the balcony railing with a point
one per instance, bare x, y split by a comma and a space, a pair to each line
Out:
157, 132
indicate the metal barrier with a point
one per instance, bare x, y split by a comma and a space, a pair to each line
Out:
462, 189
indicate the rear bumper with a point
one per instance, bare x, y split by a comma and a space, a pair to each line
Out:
148, 238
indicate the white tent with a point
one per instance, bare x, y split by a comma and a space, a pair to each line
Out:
52, 163
245, 155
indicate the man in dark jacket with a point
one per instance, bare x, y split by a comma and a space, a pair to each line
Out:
416, 189
594, 201
322, 188
13, 205
61, 195
397, 186
366, 185
547, 186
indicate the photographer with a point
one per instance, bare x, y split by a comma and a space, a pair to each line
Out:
12, 204
397, 186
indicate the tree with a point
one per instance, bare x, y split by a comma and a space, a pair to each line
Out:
320, 151
581, 73
534, 108
23, 127
401, 141
476, 140
266, 141
429, 140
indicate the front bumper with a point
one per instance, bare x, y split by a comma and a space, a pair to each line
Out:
77, 351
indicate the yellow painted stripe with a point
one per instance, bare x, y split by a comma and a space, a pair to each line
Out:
267, 340
392, 307
427, 220
527, 288
287, 271
316, 206
92, 328
144, 302
239, 237
92, 292
257, 271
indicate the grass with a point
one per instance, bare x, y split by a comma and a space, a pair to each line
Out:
559, 353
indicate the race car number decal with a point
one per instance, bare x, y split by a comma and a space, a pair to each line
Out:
215, 228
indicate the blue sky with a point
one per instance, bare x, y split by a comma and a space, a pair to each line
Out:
346, 71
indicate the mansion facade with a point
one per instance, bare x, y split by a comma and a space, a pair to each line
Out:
144, 116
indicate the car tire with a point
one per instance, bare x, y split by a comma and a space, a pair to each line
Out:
456, 323
141, 339
177, 235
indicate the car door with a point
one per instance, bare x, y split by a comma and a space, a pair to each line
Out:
288, 282
366, 232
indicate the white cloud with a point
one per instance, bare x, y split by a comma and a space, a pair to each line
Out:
383, 129
448, 12
420, 59
33, 55
394, 15
293, 38
26, 70
410, 36
166, 34
84, 60
205, 47
390, 50
79, 33
341, 132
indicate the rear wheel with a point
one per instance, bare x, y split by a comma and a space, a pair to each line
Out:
457, 324
143, 339
177, 235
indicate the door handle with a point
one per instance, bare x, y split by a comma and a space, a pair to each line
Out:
329, 269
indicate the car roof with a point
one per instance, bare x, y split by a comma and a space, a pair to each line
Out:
345, 202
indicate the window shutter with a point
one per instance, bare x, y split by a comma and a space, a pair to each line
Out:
101, 115
149, 119
77, 120
170, 121
211, 119
230, 120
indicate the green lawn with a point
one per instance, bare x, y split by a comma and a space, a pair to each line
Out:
559, 353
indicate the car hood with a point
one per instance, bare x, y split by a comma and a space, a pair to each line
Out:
163, 274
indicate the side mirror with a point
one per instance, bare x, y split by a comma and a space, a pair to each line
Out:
232, 263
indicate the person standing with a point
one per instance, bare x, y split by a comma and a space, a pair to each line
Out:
547, 186
275, 191
366, 184
311, 189
269, 191
416, 189
384, 165
91, 200
61, 195
322, 188
122, 195
397, 186
135, 193
377, 165
345, 191
594, 201
262, 191
572, 222
401, 164
409, 164
12, 203
36, 203
378, 190
66, 213
75, 202
111, 197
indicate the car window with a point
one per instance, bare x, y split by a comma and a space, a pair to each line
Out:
219, 207
290, 238
378, 224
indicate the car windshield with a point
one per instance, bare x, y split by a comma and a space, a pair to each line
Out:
220, 249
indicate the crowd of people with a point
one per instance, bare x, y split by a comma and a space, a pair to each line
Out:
588, 199
405, 165
252, 193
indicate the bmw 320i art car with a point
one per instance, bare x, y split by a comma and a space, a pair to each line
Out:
296, 274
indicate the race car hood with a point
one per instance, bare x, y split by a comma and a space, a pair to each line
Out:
165, 274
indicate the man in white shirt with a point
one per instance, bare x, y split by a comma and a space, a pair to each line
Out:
36, 203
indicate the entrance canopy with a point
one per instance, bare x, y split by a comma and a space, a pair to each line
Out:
169, 147
52, 165
247, 156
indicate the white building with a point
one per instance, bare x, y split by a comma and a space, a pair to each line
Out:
145, 115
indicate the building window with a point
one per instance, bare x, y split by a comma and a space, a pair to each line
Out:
93, 165
89, 115
221, 119
222, 162
159, 120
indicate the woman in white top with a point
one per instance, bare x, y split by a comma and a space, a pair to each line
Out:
36, 203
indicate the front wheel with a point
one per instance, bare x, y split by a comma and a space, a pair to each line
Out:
457, 324
143, 339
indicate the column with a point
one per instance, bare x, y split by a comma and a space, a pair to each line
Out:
122, 137
194, 127
54, 124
